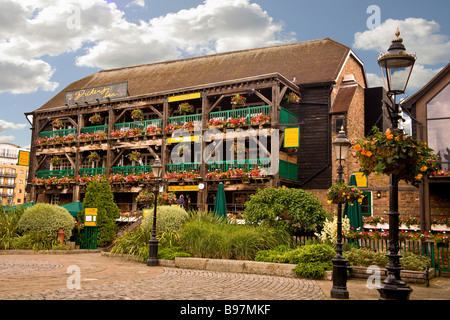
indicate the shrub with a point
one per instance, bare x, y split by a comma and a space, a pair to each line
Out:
38, 240
99, 195
134, 243
169, 218
229, 241
170, 253
365, 257
294, 210
411, 261
47, 218
314, 270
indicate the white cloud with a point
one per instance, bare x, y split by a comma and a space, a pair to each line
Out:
6, 125
419, 36
30, 30
7, 138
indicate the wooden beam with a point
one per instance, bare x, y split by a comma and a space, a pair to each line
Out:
70, 159
262, 97
216, 103
39, 164
156, 111
117, 157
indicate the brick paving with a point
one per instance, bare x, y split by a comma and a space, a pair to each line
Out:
44, 277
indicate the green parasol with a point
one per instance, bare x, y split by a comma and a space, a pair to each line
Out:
354, 212
73, 207
220, 205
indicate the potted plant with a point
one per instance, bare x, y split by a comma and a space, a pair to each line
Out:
236, 122
137, 115
57, 124
134, 156
393, 152
238, 100
260, 119
94, 156
342, 193
216, 123
292, 98
167, 198
185, 108
56, 161
145, 198
151, 130
96, 119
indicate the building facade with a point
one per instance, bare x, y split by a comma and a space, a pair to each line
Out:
114, 124
13, 177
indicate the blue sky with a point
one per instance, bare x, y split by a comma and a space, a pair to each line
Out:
45, 45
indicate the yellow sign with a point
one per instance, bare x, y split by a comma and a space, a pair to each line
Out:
146, 211
188, 96
90, 217
292, 137
183, 188
24, 158
361, 180
183, 139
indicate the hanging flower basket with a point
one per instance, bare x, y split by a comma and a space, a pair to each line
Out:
145, 198
56, 161
238, 100
134, 156
342, 193
186, 108
94, 156
137, 115
238, 148
292, 98
57, 124
96, 119
396, 153
167, 198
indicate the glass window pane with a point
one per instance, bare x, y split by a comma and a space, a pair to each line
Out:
439, 106
438, 133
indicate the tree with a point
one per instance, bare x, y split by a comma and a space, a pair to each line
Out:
99, 195
294, 210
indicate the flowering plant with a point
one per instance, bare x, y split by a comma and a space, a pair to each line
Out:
292, 98
57, 124
189, 175
94, 156
185, 108
236, 122
342, 193
238, 148
172, 127
238, 100
145, 197
171, 175
395, 153
191, 125
134, 156
69, 138
137, 114
134, 132
441, 220
41, 141
56, 161
96, 118
153, 130
440, 173
119, 134
216, 122
260, 118
167, 198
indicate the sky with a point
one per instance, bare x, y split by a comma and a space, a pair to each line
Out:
47, 44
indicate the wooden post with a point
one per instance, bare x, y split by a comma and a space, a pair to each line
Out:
203, 194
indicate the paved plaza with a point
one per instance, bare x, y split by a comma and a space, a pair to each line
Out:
54, 277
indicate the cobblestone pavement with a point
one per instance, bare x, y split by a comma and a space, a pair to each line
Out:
45, 277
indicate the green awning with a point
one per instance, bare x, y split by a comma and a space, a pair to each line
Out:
23, 205
73, 207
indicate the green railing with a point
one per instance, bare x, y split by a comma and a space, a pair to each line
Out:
138, 124
181, 167
245, 164
95, 129
288, 170
180, 120
247, 113
55, 173
288, 117
92, 171
131, 169
56, 133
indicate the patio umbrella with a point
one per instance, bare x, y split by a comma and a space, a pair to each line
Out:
354, 212
220, 205
73, 207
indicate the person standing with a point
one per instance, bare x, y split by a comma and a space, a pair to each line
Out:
181, 201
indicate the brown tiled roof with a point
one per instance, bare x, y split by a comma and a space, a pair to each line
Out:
309, 62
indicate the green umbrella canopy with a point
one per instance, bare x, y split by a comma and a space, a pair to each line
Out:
220, 205
354, 213
73, 207
23, 205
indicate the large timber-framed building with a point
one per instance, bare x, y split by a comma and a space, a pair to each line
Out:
326, 75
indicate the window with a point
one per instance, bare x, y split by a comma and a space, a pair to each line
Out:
54, 199
438, 126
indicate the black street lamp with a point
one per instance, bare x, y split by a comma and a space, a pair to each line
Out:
396, 67
153, 248
339, 290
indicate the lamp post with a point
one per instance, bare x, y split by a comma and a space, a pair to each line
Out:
153, 248
396, 66
339, 289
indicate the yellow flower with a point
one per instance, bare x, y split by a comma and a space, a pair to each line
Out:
330, 201
418, 177
424, 168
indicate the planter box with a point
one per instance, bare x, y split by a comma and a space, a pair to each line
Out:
406, 275
414, 227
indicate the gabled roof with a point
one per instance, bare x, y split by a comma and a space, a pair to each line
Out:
307, 62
